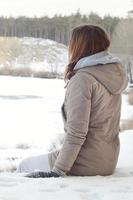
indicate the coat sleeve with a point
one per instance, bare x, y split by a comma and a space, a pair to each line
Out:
77, 106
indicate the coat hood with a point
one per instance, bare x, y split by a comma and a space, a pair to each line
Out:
103, 57
106, 69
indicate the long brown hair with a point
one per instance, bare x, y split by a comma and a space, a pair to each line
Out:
85, 40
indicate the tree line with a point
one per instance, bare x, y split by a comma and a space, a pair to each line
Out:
57, 28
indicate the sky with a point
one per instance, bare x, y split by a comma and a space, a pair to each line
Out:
65, 7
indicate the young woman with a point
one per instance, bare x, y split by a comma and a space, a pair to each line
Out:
91, 110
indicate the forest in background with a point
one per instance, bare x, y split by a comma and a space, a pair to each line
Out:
57, 28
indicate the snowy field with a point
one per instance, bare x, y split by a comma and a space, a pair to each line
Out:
30, 119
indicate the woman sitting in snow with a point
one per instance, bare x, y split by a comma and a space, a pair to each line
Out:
91, 111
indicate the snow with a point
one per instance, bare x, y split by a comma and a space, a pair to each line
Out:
94, 188
30, 118
36, 41
127, 110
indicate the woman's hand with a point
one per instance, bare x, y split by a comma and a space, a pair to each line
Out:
41, 174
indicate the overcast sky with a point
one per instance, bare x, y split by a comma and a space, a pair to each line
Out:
50, 7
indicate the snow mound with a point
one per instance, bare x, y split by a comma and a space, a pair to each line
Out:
36, 54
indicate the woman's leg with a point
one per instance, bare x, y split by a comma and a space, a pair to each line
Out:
36, 163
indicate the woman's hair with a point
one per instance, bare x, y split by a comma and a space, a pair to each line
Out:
85, 40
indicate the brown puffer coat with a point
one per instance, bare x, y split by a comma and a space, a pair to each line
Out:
92, 107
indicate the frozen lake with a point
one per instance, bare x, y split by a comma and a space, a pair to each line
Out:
29, 110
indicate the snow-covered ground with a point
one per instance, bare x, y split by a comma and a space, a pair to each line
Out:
29, 119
